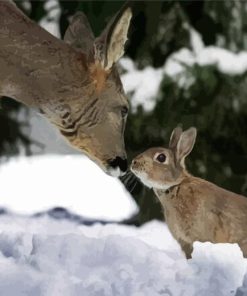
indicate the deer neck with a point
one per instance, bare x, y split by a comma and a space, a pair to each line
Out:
36, 68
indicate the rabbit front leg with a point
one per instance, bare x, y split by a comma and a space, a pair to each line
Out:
186, 247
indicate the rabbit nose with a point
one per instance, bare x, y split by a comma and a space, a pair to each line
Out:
137, 160
134, 164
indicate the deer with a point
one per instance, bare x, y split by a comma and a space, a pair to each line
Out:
74, 83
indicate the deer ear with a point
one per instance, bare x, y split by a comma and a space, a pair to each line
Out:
185, 144
79, 33
176, 133
109, 46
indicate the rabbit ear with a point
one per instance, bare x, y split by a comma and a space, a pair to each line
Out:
185, 144
176, 133
79, 33
109, 46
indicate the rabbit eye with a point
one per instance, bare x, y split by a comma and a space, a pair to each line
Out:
161, 157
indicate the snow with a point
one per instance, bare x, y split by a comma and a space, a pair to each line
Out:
39, 183
43, 256
195, 40
143, 85
225, 61
50, 22
242, 291
26, 5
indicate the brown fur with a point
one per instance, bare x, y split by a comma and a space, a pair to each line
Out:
195, 209
99, 76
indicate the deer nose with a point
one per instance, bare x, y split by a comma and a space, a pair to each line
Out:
119, 162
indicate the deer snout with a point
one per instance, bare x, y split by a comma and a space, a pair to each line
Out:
119, 163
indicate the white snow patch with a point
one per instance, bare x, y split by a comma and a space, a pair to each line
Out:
38, 183
50, 22
144, 84
26, 5
42, 256
176, 62
196, 41
226, 62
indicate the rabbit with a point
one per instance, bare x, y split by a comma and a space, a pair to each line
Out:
194, 209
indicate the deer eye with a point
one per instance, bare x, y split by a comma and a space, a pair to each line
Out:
161, 158
124, 111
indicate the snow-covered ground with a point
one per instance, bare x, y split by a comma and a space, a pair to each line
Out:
35, 184
44, 256
41, 256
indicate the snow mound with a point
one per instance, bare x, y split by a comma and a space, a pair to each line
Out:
39, 183
41, 256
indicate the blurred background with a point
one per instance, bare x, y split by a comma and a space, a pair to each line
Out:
185, 63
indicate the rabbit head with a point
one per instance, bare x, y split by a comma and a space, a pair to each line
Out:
162, 168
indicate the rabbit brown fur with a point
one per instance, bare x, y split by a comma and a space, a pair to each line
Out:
195, 210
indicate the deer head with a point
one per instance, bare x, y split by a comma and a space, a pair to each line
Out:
83, 97
100, 129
